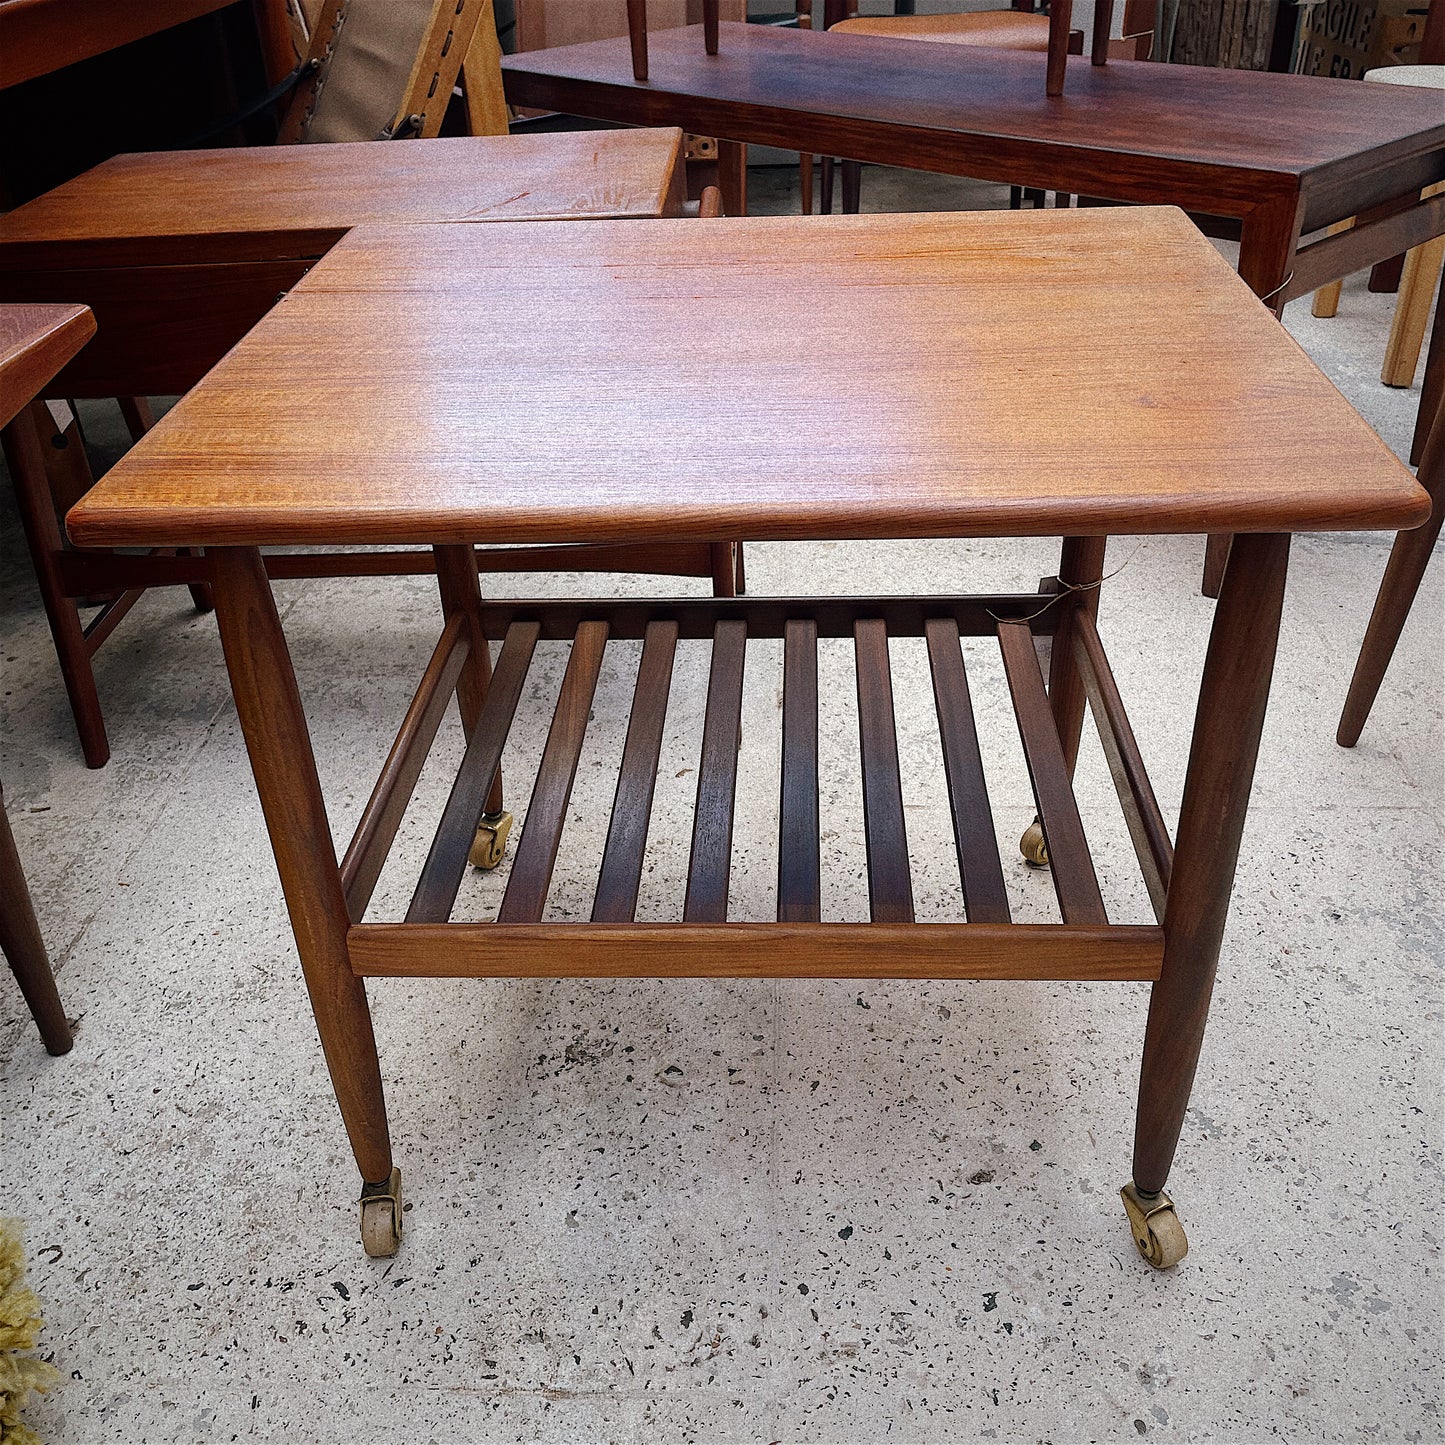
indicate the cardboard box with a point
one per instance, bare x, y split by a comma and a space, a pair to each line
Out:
1345, 38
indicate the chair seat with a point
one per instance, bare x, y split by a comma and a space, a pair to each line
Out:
1001, 29
1432, 77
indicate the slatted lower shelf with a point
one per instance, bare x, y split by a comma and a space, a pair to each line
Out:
799, 943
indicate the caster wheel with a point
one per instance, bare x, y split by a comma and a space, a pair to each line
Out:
1033, 847
489, 847
1156, 1227
381, 1217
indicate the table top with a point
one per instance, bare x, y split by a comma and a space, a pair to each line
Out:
40, 36
970, 374
1244, 121
35, 342
310, 195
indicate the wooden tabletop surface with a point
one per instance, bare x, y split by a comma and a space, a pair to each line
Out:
309, 189
1237, 119
987, 373
35, 342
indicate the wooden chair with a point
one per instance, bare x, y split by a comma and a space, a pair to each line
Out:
35, 342
1056, 33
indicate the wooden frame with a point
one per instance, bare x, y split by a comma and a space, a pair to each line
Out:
1177, 955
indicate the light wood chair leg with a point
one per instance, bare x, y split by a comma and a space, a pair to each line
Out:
1412, 312
486, 103
1227, 727
24, 949
26, 460
1408, 559
1326, 300
279, 743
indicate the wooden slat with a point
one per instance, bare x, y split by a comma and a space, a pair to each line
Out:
1342, 253
712, 829
109, 617
890, 887
384, 810
1073, 869
696, 617
1131, 779
531, 876
985, 897
617, 885
799, 863
756, 950
441, 875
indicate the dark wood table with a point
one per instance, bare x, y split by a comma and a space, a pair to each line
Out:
623, 405
1282, 155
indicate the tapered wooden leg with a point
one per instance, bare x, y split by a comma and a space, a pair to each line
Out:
24, 949
1432, 388
42, 534
710, 26
1061, 13
852, 187
1412, 311
279, 744
724, 569
1103, 24
805, 183
637, 35
1216, 556
1408, 559
1227, 726
460, 588
1081, 565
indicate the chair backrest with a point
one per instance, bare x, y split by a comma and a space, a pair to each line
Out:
1060, 16
379, 69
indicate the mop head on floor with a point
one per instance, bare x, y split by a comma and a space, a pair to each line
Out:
20, 1372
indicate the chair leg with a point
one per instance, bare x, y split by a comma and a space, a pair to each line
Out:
42, 534
1327, 299
1432, 388
24, 949
805, 183
1408, 559
726, 568
825, 186
852, 187
1412, 312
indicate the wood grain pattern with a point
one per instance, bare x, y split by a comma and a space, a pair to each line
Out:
35, 342
41, 36
799, 845
272, 202
536, 855
876, 98
890, 882
756, 950
1161, 399
616, 898
710, 862
1070, 864
985, 896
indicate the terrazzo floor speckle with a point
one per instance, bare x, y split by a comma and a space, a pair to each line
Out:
648, 1211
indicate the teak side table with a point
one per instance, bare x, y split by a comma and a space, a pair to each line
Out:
1173, 403
180, 254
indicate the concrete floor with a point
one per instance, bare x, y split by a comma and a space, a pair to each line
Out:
751, 1211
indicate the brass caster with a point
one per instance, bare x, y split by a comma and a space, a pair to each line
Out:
381, 1216
489, 847
1033, 847
1157, 1230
